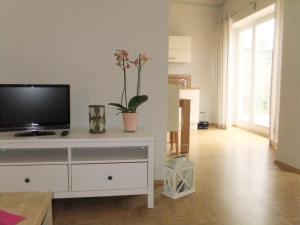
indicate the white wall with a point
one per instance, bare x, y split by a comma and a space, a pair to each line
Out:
199, 22
242, 8
64, 41
289, 121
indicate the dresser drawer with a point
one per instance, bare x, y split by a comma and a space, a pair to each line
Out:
92, 177
52, 178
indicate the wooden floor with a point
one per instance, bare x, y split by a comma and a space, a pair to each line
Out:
236, 184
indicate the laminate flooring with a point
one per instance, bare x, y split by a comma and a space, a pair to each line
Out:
237, 183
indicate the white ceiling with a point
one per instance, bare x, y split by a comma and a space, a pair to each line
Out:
206, 2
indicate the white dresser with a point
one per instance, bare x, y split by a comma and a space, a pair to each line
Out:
79, 165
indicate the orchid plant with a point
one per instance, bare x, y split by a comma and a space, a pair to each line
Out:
124, 62
139, 63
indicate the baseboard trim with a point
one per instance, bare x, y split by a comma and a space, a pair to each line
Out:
287, 167
252, 131
221, 126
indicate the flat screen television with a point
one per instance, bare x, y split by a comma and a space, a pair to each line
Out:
34, 107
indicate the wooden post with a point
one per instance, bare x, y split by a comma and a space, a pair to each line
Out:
185, 105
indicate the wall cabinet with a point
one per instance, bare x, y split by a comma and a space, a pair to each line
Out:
79, 165
194, 96
179, 49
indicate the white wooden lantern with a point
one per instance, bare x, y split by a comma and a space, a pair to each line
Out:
179, 177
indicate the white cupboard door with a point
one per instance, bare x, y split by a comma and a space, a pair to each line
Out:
180, 42
179, 55
179, 49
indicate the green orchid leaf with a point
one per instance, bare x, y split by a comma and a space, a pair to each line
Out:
136, 101
119, 106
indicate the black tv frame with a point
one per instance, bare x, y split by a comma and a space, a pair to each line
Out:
38, 130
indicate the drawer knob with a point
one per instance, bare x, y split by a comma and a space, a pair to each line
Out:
109, 177
27, 180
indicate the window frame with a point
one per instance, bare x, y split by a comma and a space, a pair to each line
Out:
250, 125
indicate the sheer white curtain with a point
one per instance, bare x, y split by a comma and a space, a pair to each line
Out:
224, 109
276, 75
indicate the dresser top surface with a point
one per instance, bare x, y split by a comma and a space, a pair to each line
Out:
80, 135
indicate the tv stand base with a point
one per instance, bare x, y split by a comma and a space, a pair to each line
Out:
81, 165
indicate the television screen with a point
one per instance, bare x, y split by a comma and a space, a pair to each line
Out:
34, 107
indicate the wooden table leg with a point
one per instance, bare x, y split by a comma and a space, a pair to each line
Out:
185, 125
171, 139
176, 142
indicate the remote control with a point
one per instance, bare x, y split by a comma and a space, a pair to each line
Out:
64, 133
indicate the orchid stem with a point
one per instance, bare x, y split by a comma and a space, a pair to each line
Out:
139, 77
124, 90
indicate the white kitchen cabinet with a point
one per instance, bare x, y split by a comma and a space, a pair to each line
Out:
179, 49
194, 96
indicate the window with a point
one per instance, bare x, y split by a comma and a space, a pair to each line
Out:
253, 66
